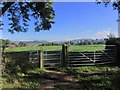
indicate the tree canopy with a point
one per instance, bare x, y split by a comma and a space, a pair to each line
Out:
19, 14
116, 4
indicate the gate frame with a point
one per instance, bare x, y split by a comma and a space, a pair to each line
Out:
64, 57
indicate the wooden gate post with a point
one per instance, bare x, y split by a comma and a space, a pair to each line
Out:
65, 52
115, 54
118, 53
41, 59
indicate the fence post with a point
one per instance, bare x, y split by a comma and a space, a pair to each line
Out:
117, 54
65, 52
94, 57
41, 59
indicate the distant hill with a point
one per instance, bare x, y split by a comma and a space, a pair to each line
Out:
74, 41
37, 42
88, 41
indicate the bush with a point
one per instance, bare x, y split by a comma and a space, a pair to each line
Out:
116, 42
17, 62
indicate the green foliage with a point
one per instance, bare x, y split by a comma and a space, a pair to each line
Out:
4, 44
22, 44
112, 41
12, 68
17, 65
116, 42
96, 78
115, 4
36, 71
94, 69
19, 14
29, 85
95, 81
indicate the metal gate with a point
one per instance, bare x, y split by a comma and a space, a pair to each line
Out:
99, 57
52, 59
34, 56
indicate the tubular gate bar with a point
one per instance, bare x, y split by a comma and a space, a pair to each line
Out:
53, 59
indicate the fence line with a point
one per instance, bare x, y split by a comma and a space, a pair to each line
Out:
66, 58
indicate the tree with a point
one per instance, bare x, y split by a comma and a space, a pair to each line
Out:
116, 4
111, 36
19, 14
4, 44
22, 44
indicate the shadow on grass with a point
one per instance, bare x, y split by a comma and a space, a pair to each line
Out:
68, 79
102, 80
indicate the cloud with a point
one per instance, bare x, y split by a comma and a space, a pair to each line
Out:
88, 31
105, 33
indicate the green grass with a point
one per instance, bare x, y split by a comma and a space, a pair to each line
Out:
27, 48
95, 68
29, 81
95, 77
87, 48
89, 78
82, 48
99, 77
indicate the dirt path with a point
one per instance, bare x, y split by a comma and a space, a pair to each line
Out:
53, 80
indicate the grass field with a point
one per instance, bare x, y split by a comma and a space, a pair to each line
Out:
55, 48
80, 78
87, 48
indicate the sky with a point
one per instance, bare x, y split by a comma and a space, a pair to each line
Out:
74, 20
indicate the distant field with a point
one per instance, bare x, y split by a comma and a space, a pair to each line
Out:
56, 48
87, 48
27, 48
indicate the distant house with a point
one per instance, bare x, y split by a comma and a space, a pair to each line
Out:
32, 44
